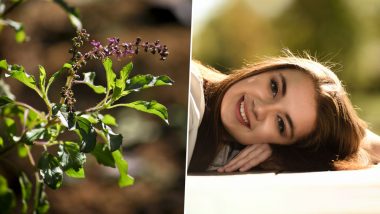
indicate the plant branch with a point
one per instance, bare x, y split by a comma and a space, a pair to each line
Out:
48, 104
29, 107
100, 106
12, 7
69, 83
115, 106
30, 156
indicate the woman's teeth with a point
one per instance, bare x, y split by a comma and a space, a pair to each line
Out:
242, 112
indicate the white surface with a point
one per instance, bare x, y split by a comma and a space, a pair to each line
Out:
353, 192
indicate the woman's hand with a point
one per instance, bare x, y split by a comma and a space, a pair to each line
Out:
372, 146
248, 158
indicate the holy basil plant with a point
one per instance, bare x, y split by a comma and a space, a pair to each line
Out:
94, 129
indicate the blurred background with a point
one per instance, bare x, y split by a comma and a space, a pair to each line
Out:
229, 34
155, 151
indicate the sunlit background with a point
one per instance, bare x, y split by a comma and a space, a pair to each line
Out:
229, 34
155, 151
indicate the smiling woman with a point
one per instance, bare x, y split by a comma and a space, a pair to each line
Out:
265, 108
286, 113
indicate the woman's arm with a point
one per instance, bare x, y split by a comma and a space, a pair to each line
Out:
372, 145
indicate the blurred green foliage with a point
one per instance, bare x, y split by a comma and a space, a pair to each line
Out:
341, 32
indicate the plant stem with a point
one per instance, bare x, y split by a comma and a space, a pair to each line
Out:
29, 107
115, 106
100, 106
37, 176
30, 156
69, 83
48, 104
12, 7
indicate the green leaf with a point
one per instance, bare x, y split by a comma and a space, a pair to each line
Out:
1, 142
87, 134
7, 197
125, 71
120, 83
69, 9
13, 110
109, 120
117, 92
16, 1
26, 191
57, 74
42, 78
41, 204
19, 28
89, 80
107, 63
75, 21
2, 9
67, 118
35, 134
22, 151
75, 174
103, 155
70, 156
90, 118
140, 82
152, 107
50, 170
52, 78
71, 12
3, 64
10, 127
5, 89
122, 166
18, 73
20, 35
67, 66
114, 141
33, 119
4, 100
54, 131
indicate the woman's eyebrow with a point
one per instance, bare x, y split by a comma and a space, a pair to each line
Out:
283, 83
290, 122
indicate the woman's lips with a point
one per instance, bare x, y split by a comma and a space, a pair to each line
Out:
241, 113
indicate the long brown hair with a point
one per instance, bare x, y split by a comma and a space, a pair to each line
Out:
334, 143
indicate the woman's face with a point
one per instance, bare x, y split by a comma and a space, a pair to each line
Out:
277, 107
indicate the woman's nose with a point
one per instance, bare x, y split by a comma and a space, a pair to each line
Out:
263, 108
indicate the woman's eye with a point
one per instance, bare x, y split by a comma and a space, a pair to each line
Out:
274, 87
280, 125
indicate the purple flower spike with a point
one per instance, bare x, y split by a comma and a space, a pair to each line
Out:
113, 41
96, 44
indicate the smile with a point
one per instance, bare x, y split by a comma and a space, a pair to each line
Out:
241, 113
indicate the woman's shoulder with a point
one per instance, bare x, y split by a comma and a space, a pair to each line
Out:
196, 85
196, 107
